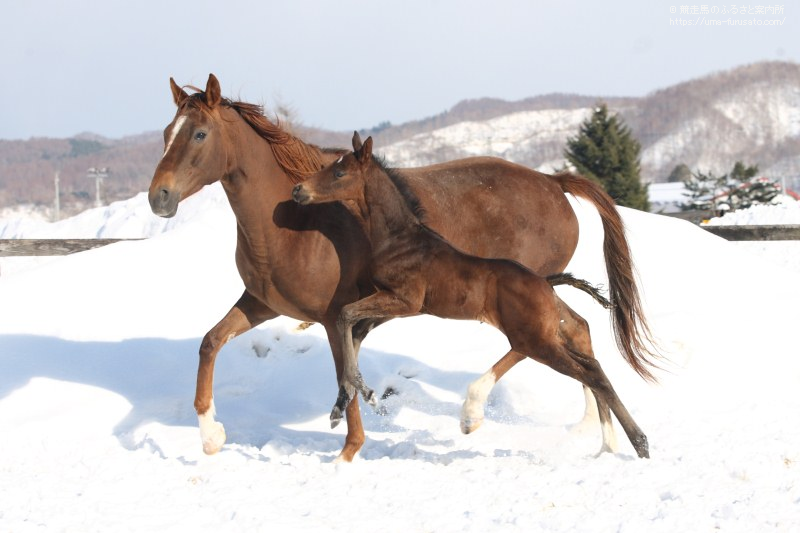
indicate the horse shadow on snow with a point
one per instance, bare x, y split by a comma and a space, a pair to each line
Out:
266, 381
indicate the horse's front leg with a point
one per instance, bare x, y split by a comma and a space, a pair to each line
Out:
243, 316
377, 307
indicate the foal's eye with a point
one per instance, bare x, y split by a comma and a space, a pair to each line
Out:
199, 136
338, 173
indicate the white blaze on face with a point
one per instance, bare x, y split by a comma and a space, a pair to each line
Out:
175, 129
340, 159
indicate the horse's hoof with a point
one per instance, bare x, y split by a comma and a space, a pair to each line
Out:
470, 425
213, 438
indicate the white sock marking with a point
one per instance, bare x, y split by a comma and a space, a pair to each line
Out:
590, 413
609, 438
477, 393
212, 432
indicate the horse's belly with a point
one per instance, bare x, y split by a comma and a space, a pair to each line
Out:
490, 208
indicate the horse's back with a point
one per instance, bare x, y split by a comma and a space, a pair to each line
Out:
489, 207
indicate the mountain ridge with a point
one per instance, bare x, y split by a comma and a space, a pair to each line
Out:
750, 113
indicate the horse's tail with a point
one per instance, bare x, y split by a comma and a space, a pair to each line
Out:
631, 332
568, 279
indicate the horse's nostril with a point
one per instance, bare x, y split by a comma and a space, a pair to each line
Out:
163, 195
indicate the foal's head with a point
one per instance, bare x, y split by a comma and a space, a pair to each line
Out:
342, 180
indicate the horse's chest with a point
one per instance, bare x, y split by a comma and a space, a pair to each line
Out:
290, 286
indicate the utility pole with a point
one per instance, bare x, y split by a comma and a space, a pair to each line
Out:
58, 198
99, 174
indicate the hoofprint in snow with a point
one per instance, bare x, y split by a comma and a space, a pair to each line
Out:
99, 353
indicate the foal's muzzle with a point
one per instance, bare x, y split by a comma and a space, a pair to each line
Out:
300, 195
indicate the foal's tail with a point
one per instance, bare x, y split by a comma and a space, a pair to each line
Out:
631, 331
568, 279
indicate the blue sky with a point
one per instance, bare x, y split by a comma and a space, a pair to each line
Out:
103, 66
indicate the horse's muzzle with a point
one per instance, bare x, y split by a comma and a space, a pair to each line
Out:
164, 202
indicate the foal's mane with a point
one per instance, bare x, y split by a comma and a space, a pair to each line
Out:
297, 158
399, 181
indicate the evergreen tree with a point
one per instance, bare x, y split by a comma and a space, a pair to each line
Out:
680, 173
605, 150
703, 191
738, 189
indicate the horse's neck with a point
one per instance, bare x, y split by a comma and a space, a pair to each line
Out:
255, 183
389, 215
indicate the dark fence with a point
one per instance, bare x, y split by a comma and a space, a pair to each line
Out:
756, 233
41, 247
45, 247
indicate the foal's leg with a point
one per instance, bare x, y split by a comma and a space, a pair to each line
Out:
243, 316
606, 424
478, 391
598, 381
574, 330
379, 306
354, 439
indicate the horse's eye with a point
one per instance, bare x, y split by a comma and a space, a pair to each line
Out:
199, 136
338, 173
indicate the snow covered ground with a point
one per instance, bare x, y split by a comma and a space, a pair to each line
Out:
98, 433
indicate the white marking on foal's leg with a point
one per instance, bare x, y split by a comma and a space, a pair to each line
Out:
212, 432
477, 393
175, 129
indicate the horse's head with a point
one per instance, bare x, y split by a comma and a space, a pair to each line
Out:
194, 148
341, 180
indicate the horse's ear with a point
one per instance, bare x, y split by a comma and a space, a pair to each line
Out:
213, 96
178, 94
366, 150
356, 141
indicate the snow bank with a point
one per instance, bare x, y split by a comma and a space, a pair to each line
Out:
99, 354
787, 212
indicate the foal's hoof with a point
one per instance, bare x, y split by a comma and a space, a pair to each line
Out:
370, 398
336, 416
641, 446
213, 438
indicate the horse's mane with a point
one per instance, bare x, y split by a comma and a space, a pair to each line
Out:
296, 157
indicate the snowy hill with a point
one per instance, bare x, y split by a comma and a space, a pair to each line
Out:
99, 354
751, 114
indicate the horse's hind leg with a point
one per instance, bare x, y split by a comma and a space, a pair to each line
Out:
572, 356
478, 391
598, 381
574, 330
606, 424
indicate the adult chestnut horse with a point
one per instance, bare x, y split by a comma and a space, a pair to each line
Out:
307, 262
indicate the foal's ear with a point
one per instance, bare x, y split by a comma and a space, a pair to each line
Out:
356, 141
178, 94
366, 150
213, 96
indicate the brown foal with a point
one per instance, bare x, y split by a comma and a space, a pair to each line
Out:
416, 271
